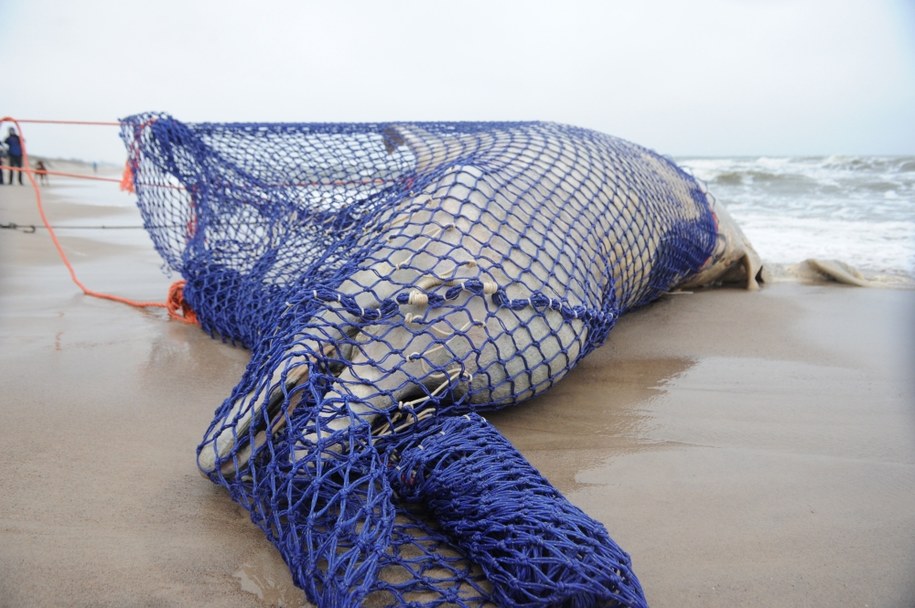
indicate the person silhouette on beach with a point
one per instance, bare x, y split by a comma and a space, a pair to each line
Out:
41, 170
14, 151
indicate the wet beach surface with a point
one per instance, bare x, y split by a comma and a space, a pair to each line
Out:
747, 449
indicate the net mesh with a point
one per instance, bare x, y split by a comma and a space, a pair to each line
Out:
392, 281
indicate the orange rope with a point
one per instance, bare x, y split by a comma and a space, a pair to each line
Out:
66, 122
177, 306
175, 301
62, 174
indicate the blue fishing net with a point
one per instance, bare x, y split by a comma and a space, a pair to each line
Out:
392, 281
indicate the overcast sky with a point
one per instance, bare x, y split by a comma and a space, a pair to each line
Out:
698, 77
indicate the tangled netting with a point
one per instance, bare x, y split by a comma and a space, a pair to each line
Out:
392, 281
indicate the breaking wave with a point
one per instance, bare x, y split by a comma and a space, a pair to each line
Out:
857, 209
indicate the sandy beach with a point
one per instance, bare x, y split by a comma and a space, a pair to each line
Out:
747, 449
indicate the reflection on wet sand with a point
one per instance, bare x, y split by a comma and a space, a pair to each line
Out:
597, 412
266, 576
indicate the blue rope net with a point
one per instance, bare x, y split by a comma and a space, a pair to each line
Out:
392, 281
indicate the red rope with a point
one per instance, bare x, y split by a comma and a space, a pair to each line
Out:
65, 122
175, 304
175, 301
61, 173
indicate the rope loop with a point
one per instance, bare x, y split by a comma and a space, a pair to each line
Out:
178, 308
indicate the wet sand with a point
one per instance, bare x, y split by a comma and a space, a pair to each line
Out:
747, 449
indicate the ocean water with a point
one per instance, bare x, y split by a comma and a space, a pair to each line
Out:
856, 209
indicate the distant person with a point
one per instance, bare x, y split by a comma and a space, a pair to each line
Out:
42, 172
14, 151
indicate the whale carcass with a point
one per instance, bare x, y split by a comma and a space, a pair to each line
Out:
475, 279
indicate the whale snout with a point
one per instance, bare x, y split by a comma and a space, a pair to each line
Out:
733, 260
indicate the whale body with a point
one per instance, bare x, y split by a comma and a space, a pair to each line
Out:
393, 281
518, 225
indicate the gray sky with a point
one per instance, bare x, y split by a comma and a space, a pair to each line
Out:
699, 77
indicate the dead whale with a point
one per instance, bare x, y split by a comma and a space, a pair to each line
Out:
497, 270
472, 235
393, 281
